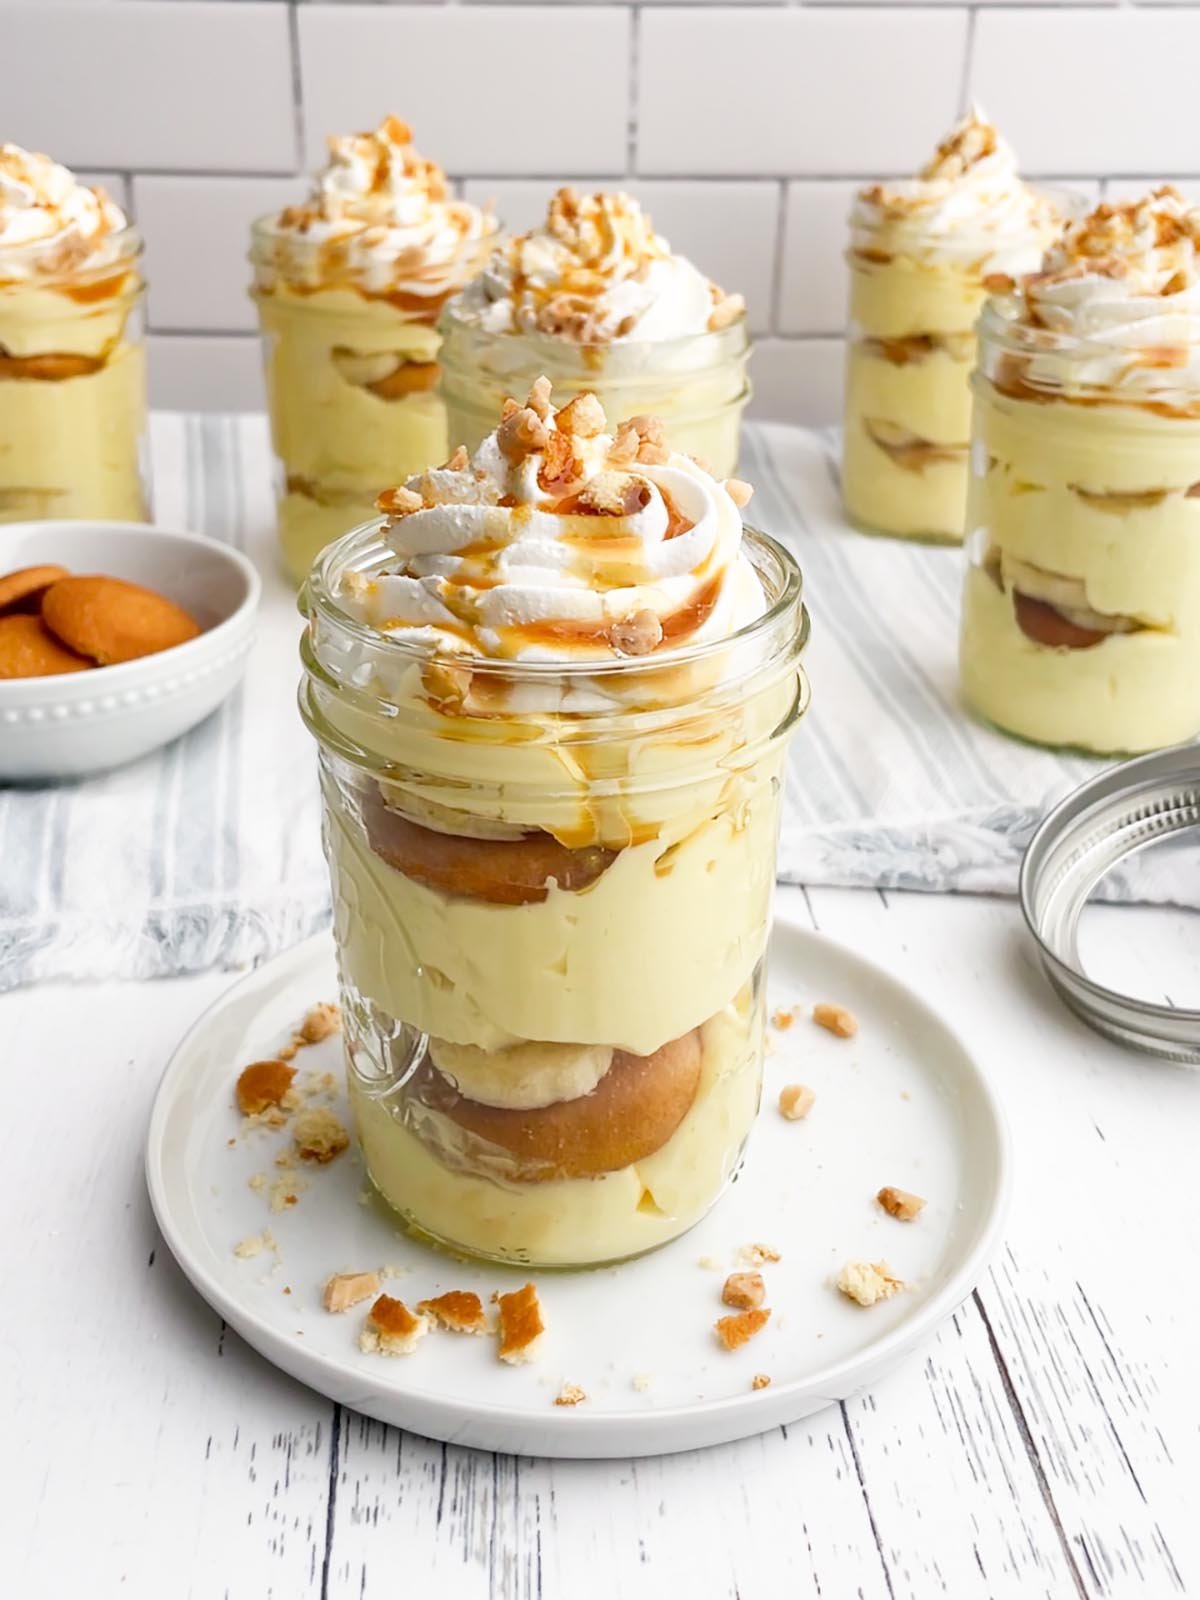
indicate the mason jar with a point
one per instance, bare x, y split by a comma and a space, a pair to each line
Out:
552, 887
352, 389
910, 351
697, 384
73, 383
1081, 611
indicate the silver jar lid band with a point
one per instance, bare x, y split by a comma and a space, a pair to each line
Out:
1101, 824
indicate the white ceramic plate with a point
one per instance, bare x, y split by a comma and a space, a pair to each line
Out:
902, 1104
70, 724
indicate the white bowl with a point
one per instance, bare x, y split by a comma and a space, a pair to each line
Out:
74, 723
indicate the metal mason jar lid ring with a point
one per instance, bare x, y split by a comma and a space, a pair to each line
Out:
1099, 825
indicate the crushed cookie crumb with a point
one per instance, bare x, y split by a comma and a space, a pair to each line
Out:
258, 1182
391, 1329
744, 1290
758, 1254
263, 1085
288, 1053
569, 1395
286, 1191
521, 1327
346, 1289
867, 1282
734, 1331
900, 1204
321, 1022
643, 1381
783, 1017
796, 1100
760, 1381
319, 1135
709, 1263
458, 1309
835, 1019
255, 1244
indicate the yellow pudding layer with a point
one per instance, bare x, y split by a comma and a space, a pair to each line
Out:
1132, 692
70, 446
580, 1221
1090, 503
338, 439
635, 960
908, 398
904, 457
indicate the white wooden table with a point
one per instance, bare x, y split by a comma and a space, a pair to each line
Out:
1044, 1444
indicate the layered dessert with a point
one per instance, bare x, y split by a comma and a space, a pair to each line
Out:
924, 255
72, 360
599, 301
552, 695
1081, 616
349, 285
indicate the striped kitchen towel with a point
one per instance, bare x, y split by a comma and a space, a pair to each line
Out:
207, 853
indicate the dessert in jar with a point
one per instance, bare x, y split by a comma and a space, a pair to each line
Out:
72, 356
552, 693
349, 285
1081, 614
924, 255
600, 303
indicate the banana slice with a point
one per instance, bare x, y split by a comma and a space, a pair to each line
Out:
365, 367
1065, 594
446, 819
525, 1076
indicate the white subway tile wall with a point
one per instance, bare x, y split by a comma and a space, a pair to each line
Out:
745, 128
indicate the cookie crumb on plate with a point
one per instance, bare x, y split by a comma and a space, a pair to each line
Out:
521, 1326
744, 1290
263, 1084
867, 1282
836, 1020
900, 1204
760, 1381
391, 1329
757, 1254
569, 1395
346, 1289
733, 1331
458, 1309
319, 1135
796, 1100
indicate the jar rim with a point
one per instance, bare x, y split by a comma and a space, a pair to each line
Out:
736, 333
319, 594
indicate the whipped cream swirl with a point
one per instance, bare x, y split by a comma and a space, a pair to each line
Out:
379, 218
967, 205
1116, 304
596, 273
49, 221
558, 542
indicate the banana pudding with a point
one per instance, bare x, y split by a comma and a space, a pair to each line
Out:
349, 286
924, 255
1081, 615
598, 300
72, 359
552, 692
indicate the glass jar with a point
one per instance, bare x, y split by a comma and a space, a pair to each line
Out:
1081, 612
910, 352
697, 385
352, 391
552, 889
73, 384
